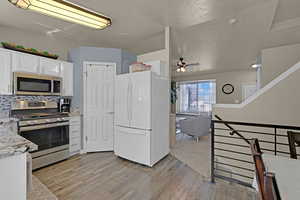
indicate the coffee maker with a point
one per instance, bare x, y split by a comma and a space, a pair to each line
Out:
64, 105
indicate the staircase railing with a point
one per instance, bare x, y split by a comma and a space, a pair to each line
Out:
233, 131
231, 158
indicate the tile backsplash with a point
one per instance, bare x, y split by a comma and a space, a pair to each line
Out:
6, 101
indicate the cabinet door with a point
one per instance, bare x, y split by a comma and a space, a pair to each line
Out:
67, 75
50, 67
25, 63
13, 175
5, 73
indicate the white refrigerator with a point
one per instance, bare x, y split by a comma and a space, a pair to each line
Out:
142, 117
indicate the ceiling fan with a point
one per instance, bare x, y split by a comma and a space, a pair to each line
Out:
182, 65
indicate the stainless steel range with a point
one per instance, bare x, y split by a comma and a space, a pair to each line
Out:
41, 123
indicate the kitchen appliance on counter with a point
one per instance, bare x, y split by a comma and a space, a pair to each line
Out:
64, 105
41, 123
142, 117
36, 84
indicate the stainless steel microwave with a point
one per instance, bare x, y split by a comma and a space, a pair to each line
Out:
36, 84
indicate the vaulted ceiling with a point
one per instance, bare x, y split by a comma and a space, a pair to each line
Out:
234, 42
204, 29
134, 21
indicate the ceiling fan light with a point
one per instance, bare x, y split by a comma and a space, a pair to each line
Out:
183, 69
256, 66
66, 11
178, 70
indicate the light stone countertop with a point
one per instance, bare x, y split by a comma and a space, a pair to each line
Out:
14, 144
286, 173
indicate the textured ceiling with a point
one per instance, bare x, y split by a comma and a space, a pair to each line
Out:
137, 24
220, 46
203, 30
286, 10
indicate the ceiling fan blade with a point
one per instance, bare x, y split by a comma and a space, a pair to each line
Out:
192, 64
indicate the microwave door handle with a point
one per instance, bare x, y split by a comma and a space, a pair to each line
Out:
52, 86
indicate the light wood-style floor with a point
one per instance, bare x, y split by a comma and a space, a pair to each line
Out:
103, 176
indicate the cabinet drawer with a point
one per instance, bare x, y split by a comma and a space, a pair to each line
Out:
74, 133
75, 121
74, 128
74, 147
75, 140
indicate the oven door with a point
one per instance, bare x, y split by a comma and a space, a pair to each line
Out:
48, 137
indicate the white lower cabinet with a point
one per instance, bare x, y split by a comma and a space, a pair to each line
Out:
75, 135
13, 177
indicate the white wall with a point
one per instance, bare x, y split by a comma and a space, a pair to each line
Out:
236, 78
155, 55
279, 104
277, 60
165, 54
149, 44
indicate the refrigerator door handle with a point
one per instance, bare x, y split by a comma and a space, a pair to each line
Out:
130, 105
128, 101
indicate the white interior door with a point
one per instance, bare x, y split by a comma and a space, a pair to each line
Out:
99, 107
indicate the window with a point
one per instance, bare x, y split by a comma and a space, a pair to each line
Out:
196, 97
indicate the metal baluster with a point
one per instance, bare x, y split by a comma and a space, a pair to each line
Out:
212, 152
275, 135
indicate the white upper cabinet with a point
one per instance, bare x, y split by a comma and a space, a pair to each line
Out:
5, 73
67, 75
22, 62
11, 61
50, 67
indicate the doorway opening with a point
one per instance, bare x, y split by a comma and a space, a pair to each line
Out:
193, 118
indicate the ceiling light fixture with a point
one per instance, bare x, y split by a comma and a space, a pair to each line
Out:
65, 10
233, 21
